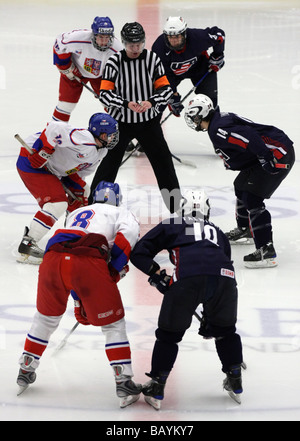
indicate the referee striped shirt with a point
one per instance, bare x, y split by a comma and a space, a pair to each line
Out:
127, 79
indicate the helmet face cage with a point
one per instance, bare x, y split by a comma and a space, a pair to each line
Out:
103, 123
195, 202
108, 193
175, 26
133, 33
102, 26
198, 109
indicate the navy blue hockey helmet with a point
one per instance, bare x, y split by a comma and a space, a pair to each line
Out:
102, 26
107, 193
103, 123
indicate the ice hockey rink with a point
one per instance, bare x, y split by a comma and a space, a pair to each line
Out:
261, 81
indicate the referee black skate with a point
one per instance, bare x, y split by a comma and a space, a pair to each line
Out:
135, 91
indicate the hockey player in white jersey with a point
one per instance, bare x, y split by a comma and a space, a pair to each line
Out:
86, 259
83, 54
62, 157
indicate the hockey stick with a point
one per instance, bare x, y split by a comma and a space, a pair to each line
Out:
29, 149
65, 339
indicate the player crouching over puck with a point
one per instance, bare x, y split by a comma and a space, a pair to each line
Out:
86, 259
203, 274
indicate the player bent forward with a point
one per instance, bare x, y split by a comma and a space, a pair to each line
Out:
86, 259
263, 154
60, 159
203, 274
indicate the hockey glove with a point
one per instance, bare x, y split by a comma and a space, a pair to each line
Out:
175, 105
79, 311
204, 328
40, 158
79, 188
268, 164
72, 72
116, 275
160, 281
216, 63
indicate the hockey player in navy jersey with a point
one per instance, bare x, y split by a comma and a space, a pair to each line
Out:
184, 53
264, 155
203, 273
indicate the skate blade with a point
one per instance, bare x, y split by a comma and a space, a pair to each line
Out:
130, 399
234, 397
243, 241
266, 263
27, 259
22, 389
154, 402
244, 366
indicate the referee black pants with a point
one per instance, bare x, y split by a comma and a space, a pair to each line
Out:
150, 136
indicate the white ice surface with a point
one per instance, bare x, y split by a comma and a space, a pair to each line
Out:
261, 81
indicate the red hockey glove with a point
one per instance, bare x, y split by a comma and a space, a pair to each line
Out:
40, 158
80, 313
80, 189
117, 276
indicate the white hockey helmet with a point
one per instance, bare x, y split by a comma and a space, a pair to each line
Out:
198, 109
175, 26
195, 202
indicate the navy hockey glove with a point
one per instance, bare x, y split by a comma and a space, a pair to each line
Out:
160, 281
216, 63
268, 164
175, 105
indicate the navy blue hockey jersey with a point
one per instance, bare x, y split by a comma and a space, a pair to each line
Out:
195, 247
239, 141
185, 63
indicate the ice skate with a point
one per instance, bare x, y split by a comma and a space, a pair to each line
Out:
29, 251
26, 374
264, 257
128, 391
233, 383
154, 393
240, 236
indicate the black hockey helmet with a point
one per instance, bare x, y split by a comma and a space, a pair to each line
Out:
133, 33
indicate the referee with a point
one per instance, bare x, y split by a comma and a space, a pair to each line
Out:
135, 90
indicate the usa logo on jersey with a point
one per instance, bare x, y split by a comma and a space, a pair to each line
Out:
182, 67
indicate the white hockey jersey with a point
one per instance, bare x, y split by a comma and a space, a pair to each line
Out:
75, 150
78, 46
119, 225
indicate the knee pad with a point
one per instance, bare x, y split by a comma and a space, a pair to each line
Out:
169, 337
55, 209
43, 326
115, 331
